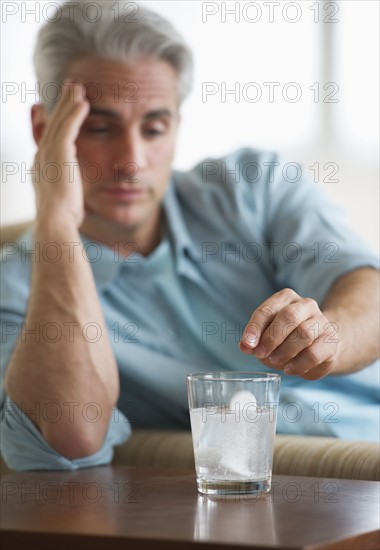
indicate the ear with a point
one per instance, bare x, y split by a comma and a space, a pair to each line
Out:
39, 119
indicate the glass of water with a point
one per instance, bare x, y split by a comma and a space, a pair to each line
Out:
233, 424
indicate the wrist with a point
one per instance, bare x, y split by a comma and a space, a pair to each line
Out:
56, 221
335, 336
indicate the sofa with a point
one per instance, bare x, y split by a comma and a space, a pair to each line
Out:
294, 455
324, 457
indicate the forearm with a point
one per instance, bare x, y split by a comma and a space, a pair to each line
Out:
74, 368
353, 304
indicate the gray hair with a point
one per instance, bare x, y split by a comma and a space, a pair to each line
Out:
109, 30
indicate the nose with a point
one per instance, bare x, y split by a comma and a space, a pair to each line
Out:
129, 157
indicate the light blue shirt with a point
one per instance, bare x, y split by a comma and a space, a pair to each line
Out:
237, 230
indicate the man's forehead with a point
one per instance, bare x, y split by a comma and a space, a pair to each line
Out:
114, 114
128, 83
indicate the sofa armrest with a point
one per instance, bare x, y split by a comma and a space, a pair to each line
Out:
326, 457
10, 233
294, 455
165, 449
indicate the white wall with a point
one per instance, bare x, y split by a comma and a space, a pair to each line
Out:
245, 47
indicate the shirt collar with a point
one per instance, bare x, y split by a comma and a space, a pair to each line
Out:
178, 230
104, 261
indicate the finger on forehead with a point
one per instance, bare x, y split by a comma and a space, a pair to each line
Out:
66, 107
263, 316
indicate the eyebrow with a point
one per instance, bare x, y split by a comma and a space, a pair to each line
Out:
158, 113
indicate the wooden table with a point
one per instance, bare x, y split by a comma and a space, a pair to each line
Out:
122, 507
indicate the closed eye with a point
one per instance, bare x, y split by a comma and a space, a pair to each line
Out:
154, 132
98, 129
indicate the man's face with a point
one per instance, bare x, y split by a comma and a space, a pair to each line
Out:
126, 145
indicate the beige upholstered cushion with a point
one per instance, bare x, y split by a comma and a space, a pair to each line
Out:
171, 449
326, 457
294, 455
10, 233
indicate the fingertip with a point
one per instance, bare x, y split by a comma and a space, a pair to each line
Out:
251, 336
249, 343
78, 92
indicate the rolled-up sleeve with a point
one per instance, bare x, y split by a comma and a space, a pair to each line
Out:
22, 445
24, 448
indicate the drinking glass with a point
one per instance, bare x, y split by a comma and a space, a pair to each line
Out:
233, 424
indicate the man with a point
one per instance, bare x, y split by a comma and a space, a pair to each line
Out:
156, 272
